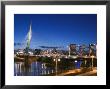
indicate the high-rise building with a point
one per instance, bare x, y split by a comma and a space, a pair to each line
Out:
72, 48
92, 49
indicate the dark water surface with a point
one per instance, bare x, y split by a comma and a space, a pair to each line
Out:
35, 69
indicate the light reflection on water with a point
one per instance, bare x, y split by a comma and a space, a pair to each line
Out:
35, 69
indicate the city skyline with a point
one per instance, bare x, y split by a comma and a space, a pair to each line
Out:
56, 29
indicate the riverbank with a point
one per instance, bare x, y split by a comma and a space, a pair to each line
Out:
77, 72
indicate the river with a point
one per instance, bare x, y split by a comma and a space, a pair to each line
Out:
35, 69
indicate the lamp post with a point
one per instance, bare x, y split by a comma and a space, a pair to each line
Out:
75, 63
85, 59
56, 65
92, 60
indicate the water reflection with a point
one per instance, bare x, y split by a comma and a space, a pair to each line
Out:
38, 68
34, 69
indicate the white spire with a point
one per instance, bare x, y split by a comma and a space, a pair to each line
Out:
30, 33
29, 36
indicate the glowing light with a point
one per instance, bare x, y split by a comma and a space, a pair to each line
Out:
48, 55
58, 59
85, 56
92, 56
74, 57
75, 60
54, 59
66, 57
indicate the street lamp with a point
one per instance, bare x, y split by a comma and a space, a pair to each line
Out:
75, 64
85, 59
92, 60
56, 65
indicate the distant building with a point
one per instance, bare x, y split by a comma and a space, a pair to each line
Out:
82, 50
72, 49
92, 49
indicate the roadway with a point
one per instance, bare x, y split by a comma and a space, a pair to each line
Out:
79, 72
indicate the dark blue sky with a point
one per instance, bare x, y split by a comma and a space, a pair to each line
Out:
56, 29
